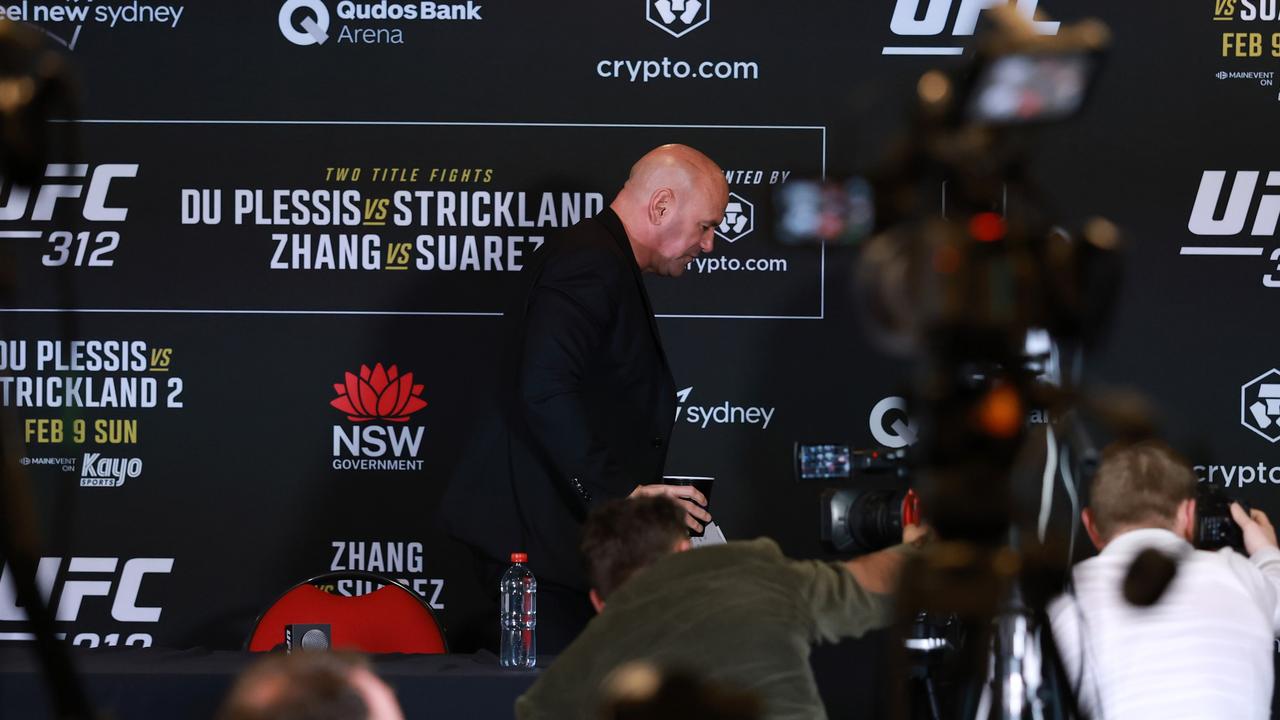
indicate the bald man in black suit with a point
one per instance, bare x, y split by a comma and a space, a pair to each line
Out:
586, 401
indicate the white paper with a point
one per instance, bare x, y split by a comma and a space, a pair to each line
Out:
711, 535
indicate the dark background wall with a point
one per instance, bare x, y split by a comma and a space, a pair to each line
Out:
238, 494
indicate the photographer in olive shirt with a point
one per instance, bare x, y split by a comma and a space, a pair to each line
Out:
740, 613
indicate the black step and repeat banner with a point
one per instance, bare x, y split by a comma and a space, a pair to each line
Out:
253, 318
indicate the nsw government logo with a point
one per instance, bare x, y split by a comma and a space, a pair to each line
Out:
377, 394
1260, 405
678, 17
739, 219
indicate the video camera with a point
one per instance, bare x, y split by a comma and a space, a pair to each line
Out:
864, 519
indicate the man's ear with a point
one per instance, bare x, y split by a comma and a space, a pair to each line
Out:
682, 545
1091, 527
596, 602
1185, 523
661, 205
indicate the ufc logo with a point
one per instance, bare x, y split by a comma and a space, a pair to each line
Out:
1239, 201
59, 185
908, 20
84, 578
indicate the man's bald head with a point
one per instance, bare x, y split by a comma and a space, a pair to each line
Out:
310, 686
670, 205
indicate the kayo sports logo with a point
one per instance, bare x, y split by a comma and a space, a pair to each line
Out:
98, 471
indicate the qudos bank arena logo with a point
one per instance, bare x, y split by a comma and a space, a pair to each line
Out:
312, 27
378, 394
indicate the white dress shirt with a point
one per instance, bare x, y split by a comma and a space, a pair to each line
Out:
1205, 650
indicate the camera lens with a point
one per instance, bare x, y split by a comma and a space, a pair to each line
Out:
876, 518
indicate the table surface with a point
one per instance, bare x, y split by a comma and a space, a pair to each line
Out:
149, 683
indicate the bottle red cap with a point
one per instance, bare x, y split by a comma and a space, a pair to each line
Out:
519, 557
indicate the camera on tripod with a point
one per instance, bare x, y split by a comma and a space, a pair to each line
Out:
961, 290
860, 520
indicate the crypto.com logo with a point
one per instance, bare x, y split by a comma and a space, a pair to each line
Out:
313, 29
739, 219
899, 433
678, 17
1260, 405
378, 394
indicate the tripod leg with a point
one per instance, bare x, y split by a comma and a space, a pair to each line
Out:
933, 698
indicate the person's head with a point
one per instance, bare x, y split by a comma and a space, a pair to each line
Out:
671, 204
622, 537
640, 690
310, 685
1140, 485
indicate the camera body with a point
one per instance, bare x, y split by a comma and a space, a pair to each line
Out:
1215, 528
865, 519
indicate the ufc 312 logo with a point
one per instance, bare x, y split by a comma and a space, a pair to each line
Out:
1236, 215
932, 19
1248, 204
65, 183
102, 592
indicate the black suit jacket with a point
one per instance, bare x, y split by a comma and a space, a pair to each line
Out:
584, 411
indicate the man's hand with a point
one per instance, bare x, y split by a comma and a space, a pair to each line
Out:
686, 496
916, 535
1258, 532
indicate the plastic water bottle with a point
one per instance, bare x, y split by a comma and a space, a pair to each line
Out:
519, 614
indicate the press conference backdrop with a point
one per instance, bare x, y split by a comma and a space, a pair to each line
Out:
253, 317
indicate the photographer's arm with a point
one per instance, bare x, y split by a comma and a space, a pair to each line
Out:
1264, 553
878, 571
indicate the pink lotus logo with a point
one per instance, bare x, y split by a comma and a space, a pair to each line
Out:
378, 394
